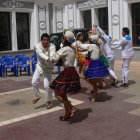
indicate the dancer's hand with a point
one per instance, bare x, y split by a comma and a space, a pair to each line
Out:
53, 61
94, 25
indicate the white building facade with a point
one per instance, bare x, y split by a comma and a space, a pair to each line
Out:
23, 21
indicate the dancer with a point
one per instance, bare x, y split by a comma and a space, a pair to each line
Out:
100, 43
96, 70
45, 50
109, 53
79, 57
68, 81
127, 54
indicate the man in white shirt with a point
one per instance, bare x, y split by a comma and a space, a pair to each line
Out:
127, 54
45, 50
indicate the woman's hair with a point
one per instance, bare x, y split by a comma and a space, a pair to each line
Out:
78, 35
66, 43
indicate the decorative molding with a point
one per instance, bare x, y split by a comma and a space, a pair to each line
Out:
59, 18
115, 20
132, 1
16, 4
71, 24
70, 6
13, 4
59, 25
59, 7
42, 22
42, 25
91, 3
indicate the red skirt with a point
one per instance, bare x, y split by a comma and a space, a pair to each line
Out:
67, 82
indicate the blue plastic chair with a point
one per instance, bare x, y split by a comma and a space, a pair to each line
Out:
34, 62
1, 74
8, 63
7, 55
23, 62
17, 56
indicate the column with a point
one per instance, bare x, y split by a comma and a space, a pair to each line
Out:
94, 16
114, 18
14, 31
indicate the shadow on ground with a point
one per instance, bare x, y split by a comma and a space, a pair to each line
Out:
81, 115
54, 104
102, 97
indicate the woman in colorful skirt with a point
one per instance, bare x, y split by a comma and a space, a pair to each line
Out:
102, 57
96, 71
68, 81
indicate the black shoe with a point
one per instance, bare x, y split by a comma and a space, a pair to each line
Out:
115, 82
124, 85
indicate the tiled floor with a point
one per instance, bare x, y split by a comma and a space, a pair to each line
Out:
116, 116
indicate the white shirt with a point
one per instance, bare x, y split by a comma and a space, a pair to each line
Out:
93, 49
127, 48
109, 52
67, 54
44, 55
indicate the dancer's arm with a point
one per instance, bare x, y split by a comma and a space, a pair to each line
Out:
40, 53
59, 54
102, 33
52, 51
119, 43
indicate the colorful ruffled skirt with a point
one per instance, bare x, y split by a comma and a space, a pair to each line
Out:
67, 82
96, 69
81, 58
104, 60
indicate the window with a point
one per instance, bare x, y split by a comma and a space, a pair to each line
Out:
136, 23
103, 19
22, 22
87, 19
5, 35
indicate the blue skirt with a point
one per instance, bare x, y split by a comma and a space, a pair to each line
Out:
96, 69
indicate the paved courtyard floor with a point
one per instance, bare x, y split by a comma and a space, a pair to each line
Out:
116, 116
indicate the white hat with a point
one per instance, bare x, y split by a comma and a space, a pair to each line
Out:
93, 37
69, 36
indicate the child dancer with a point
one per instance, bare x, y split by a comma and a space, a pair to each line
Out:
79, 40
109, 53
96, 70
68, 81
127, 54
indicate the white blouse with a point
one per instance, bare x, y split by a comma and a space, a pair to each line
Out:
93, 49
67, 54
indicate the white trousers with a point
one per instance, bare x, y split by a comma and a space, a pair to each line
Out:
125, 69
76, 62
47, 79
111, 61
